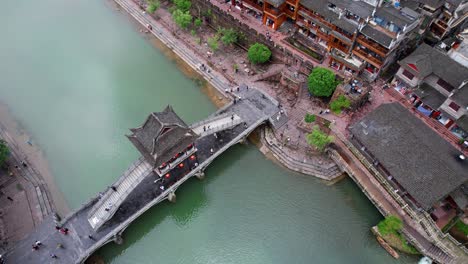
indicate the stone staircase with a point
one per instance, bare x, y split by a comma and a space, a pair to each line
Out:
108, 204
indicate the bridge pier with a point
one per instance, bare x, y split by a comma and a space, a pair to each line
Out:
118, 239
172, 197
200, 175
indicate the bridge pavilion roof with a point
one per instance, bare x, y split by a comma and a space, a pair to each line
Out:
162, 136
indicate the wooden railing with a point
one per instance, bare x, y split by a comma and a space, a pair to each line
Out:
372, 46
367, 57
434, 124
425, 221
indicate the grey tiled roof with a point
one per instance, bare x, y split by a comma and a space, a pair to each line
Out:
421, 161
430, 60
398, 17
432, 3
276, 3
345, 25
430, 96
463, 122
377, 36
461, 95
162, 136
359, 8
460, 196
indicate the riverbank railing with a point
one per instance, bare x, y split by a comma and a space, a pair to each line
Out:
423, 218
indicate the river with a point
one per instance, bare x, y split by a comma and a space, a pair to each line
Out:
77, 74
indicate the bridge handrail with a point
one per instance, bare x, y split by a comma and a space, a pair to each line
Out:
164, 195
221, 127
122, 197
108, 192
209, 120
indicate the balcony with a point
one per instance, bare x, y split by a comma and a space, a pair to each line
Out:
349, 61
273, 11
381, 51
441, 24
252, 4
367, 57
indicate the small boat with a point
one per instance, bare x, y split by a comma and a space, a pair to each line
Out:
425, 260
387, 247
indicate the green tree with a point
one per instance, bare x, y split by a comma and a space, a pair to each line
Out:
258, 53
322, 82
4, 152
339, 103
197, 22
228, 36
182, 19
183, 5
213, 42
153, 5
390, 225
318, 139
309, 118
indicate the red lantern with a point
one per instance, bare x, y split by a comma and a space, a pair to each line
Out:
167, 175
181, 165
192, 157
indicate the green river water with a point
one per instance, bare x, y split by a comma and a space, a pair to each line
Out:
77, 74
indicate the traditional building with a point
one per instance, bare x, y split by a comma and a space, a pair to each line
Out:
451, 16
166, 142
423, 168
437, 86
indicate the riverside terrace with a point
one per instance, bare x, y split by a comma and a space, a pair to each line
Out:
104, 218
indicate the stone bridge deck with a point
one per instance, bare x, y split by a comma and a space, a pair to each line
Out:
139, 194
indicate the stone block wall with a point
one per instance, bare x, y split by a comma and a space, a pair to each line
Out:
219, 18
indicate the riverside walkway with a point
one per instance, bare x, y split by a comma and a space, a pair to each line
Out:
138, 189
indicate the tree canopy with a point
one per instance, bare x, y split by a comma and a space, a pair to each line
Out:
213, 42
183, 5
322, 82
339, 103
390, 225
181, 18
228, 36
258, 53
197, 23
153, 5
318, 138
4, 152
309, 118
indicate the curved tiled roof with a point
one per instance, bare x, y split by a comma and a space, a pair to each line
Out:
420, 160
162, 136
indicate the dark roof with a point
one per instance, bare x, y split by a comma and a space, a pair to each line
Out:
321, 7
276, 3
461, 95
420, 160
460, 196
345, 25
430, 60
453, 4
430, 96
162, 136
432, 3
377, 36
402, 17
360, 8
463, 122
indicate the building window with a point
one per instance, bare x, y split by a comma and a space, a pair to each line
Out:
454, 106
445, 85
408, 74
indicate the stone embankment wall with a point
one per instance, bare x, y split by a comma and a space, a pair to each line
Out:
220, 18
